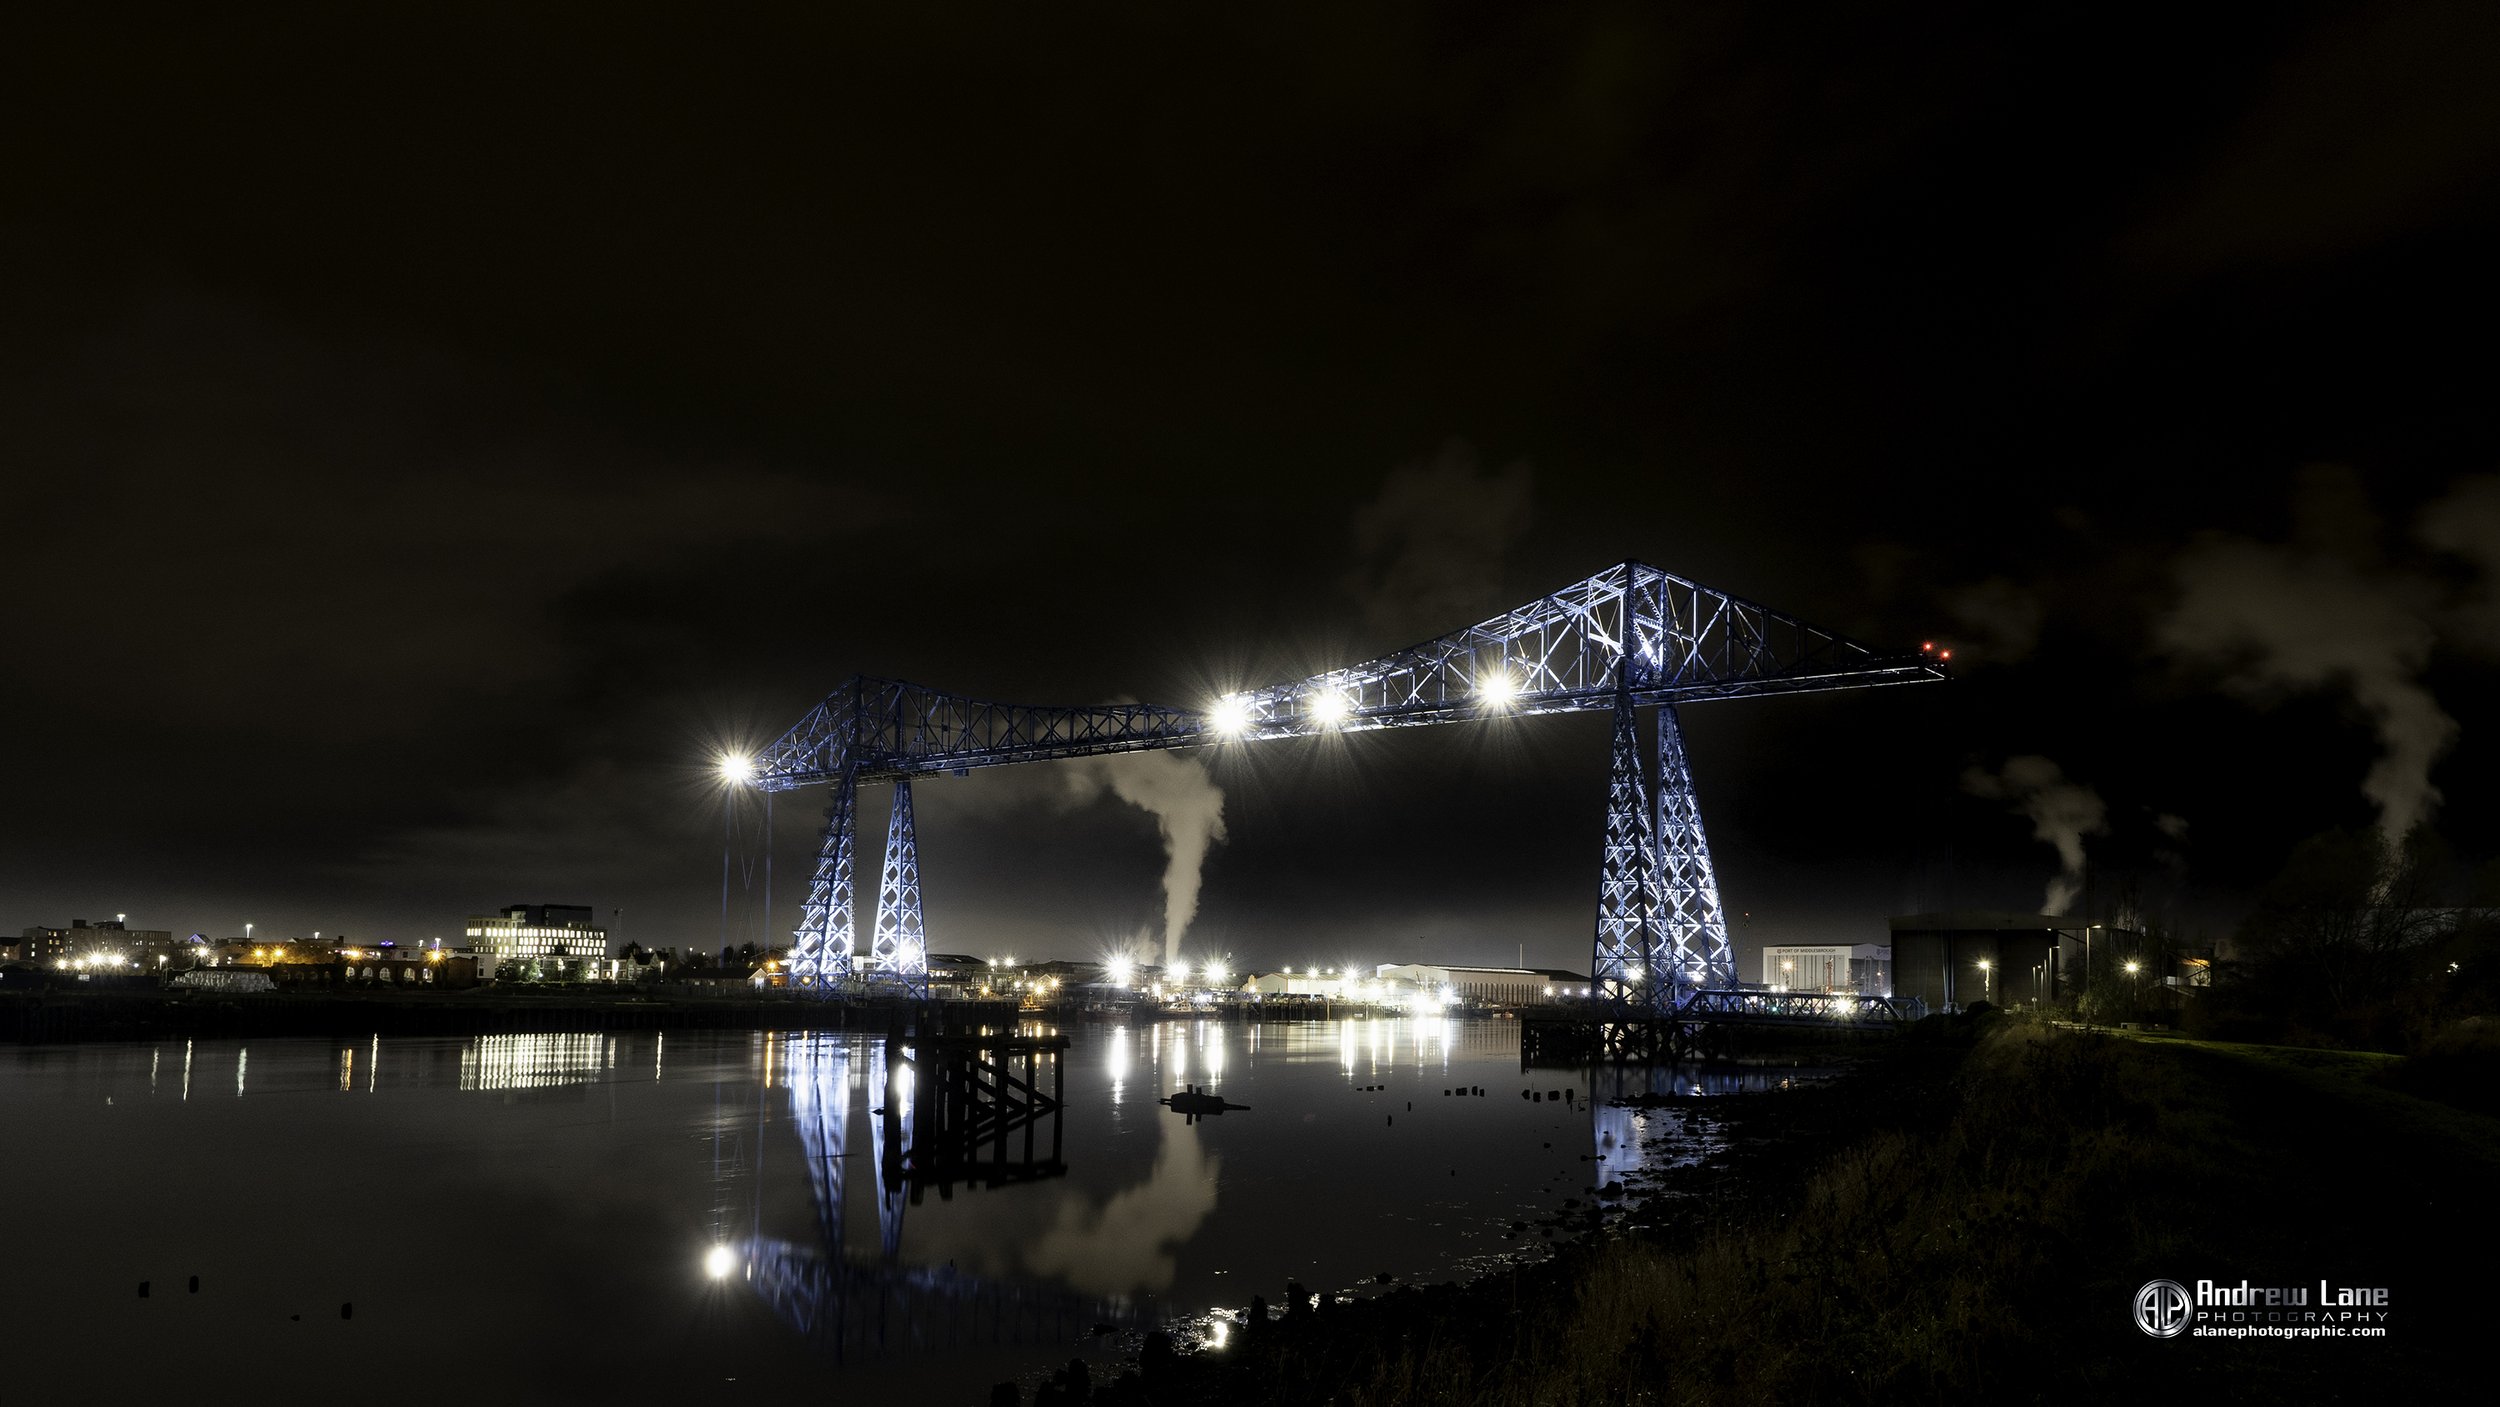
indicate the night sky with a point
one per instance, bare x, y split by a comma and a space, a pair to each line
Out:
430, 433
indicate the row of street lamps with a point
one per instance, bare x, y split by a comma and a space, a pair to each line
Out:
1987, 978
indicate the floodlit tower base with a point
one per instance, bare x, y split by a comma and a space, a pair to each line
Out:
899, 961
1625, 971
1693, 926
822, 958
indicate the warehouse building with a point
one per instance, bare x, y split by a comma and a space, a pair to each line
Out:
1953, 960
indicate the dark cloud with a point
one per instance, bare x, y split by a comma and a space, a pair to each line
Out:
2465, 525
2001, 618
1435, 543
2377, 120
427, 434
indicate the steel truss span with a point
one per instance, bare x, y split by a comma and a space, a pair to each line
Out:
1628, 639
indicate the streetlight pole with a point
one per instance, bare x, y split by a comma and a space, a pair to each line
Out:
2085, 986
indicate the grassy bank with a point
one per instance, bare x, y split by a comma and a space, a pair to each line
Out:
1967, 1225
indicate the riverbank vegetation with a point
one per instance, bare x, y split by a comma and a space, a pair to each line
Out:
1967, 1219
2361, 943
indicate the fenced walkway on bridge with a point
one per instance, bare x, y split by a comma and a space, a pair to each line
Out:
1708, 1025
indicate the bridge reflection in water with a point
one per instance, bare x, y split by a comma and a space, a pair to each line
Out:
920, 1115
879, 1125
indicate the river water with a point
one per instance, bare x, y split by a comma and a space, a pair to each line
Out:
728, 1216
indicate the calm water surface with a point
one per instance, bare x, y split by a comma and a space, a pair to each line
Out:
725, 1216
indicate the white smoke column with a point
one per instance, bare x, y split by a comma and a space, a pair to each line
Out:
2062, 813
2285, 618
1188, 808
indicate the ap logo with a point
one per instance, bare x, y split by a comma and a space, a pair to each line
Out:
2162, 1309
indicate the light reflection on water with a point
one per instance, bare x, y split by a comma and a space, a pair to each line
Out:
666, 1205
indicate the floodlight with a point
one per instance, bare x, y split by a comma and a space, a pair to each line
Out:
1230, 716
1329, 708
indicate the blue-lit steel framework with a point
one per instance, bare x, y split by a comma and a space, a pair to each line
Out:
827, 962
1630, 638
1625, 971
899, 957
1688, 884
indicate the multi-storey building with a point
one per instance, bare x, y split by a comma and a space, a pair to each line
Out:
110, 938
557, 940
1861, 968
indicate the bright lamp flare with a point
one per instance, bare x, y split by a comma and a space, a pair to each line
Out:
1329, 708
1120, 971
1230, 716
1497, 688
719, 1261
1215, 972
737, 769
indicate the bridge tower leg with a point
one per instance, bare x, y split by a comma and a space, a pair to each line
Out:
900, 957
1693, 936
823, 958
1627, 971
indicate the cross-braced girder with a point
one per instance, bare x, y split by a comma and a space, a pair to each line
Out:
1629, 637
823, 956
900, 955
1626, 970
1560, 653
1692, 924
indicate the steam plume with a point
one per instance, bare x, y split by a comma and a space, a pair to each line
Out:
1188, 808
1131, 1242
2062, 813
2320, 614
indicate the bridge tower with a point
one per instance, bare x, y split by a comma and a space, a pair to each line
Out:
1693, 926
900, 957
822, 960
1626, 970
